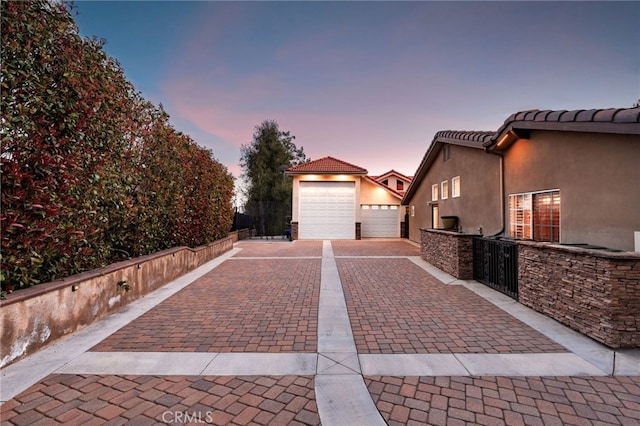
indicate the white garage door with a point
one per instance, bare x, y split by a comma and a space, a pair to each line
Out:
380, 221
327, 211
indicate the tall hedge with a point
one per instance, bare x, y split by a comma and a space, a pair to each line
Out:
91, 172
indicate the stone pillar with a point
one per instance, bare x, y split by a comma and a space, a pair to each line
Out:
294, 230
358, 231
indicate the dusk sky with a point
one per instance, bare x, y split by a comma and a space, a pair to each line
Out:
369, 83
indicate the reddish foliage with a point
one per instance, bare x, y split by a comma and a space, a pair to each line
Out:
91, 172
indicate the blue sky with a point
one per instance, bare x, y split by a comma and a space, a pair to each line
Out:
367, 82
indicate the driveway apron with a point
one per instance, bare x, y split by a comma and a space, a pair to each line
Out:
323, 332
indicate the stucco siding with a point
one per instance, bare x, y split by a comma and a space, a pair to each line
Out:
479, 203
598, 176
374, 194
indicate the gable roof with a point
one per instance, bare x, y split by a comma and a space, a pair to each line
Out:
611, 120
326, 166
393, 173
470, 139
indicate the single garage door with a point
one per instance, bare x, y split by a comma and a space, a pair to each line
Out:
380, 221
327, 211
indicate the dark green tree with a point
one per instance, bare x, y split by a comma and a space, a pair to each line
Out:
267, 189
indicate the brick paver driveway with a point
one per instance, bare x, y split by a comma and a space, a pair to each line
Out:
272, 334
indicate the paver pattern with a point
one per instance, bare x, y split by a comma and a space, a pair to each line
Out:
249, 305
396, 307
275, 248
373, 248
540, 401
147, 400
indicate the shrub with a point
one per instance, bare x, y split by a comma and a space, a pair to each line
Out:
91, 172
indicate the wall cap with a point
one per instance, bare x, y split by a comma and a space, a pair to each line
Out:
22, 294
617, 255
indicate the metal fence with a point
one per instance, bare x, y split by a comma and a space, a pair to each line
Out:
495, 263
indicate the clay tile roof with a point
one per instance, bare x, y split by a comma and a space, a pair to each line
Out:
631, 115
612, 120
468, 136
326, 166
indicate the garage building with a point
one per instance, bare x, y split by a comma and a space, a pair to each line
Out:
336, 200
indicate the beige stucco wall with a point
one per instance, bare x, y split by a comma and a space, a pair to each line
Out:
598, 176
479, 203
374, 194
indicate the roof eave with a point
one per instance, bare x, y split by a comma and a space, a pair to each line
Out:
324, 173
522, 129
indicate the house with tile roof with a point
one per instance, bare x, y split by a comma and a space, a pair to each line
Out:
570, 177
334, 199
394, 180
455, 179
558, 195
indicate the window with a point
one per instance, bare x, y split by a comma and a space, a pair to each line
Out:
386, 182
520, 216
455, 187
444, 189
446, 153
434, 192
399, 185
535, 216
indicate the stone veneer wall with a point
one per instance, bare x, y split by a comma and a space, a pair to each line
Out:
592, 291
34, 317
294, 230
358, 231
449, 251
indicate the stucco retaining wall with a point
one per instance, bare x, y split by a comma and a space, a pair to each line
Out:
449, 251
34, 317
592, 291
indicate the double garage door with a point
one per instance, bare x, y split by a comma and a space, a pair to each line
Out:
328, 212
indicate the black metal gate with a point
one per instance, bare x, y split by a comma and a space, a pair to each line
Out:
495, 263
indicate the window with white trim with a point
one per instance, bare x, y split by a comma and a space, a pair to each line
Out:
455, 187
444, 189
535, 216
434, 192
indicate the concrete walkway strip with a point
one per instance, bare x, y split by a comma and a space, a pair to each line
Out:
545, 364
334, 327
140, 363
262, 364
627, 362
341, 394
345, 400
274, 257
338, 363
411, 365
